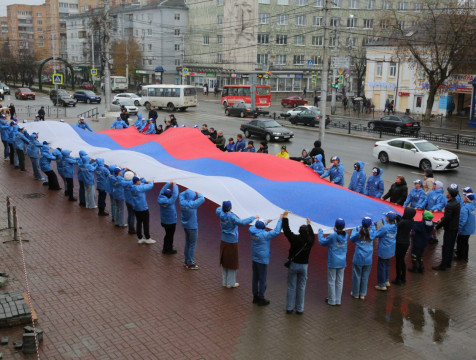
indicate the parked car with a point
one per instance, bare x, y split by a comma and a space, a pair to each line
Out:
268, 129
298, 109
131, 96
243, 109
62, 97
294, 101
87, 85
396, 123
6, 89
415, 152
128, 104
309, 117
2, 95
24, 94
87, 96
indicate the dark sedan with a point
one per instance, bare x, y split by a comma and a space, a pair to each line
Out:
268, 129
243, 110
24, 94
399, 124
87, 96
309, 117
294, 101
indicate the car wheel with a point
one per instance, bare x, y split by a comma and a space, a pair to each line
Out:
383, 157
147, 106
137, 103
247, 134
227, 112
294, 105
268, 137
398, 130
183, 108
242, 114
170, 107
283, 105
425, 164
372, 126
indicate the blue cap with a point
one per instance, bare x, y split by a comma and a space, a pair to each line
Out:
334, 158
117, 170
470, 196
134, 179
226, 205
454, 186
467, 189
340, 224
366, 221
391, 215
260, 224
168, 193
46, 143
418, 182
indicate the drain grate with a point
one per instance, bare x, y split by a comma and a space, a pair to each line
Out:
34, 195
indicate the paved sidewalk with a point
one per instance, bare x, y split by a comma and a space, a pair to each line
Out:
100, 295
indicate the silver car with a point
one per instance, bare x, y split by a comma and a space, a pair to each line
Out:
127, 103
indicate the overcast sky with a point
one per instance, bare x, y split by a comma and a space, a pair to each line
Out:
4, 3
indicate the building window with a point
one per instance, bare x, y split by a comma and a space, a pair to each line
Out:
262, 59
219, 39
386, 4
267, 2
383, 24
149, 32
353, 4
351, 42
299, 40
417, 7
283, 2
316, 59
177, 62
378, 72
39, 22
301, 20
317, 40
317, 21
337, 4
352, 22
177, 16
280, 60
393, 69
220, 19
298, 60
281, 39
282, 19
177, 47
334, 22
319, 3
39, 29
177, 32
263, 38
39, 15
263, 18
332, 42
220, 2
219, 58
40, 44
366, 40
301, 2
206, 40
402, 6
368, 23
370, 4
401, 25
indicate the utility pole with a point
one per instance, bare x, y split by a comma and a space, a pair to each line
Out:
107, 72
92, 54
127, 52
334, 74
325, 71
253, 81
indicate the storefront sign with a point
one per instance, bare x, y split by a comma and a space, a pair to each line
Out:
381, 84
464, 90
210, 74
298, 76
403, 94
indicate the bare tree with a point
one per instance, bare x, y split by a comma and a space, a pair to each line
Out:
359, 63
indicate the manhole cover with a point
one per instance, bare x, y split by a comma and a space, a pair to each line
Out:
34, 195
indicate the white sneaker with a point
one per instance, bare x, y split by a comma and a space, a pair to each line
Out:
362, 297
141, 241
387, 284
381, 288
149, 241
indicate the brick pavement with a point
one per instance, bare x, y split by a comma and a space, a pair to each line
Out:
99, 295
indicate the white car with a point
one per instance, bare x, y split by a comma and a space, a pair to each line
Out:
130, 96
128, 104
415, 152
298, 109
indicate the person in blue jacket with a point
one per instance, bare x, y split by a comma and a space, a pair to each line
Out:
119, 124
151, 129
387, 240
82, 192
68, 169
250, 147
33, 151
102, 174
229, 223
467, 226
60, 167
141, 124
138, 120
119, 197
168, 215
230, 147
20, 141
240, 143
87, 168
336, 260
4, 125
83, 124
335, 172
422, 231
12, 131
436, 199
131, 216
260, 253
317, 164
141, 209
467, 190
357, 181
109, 190
375, 186
363, 237
417, 196
189, 202
45, 165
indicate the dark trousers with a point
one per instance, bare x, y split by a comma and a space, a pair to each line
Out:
82, 194
11, 154
142, 218
400, 252
101, 200
6, 149
417, 259
462, 247
52, 180
169, 236
260, 272
21, 159
449, 239
70, 185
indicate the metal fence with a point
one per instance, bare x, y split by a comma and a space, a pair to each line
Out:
31, 111
91, 113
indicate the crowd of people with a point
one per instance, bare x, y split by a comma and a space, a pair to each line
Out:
127, 190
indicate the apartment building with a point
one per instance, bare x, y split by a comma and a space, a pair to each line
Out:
3, 28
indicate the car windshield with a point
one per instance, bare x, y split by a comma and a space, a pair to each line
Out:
25, 90
426, 146
126, 102
270, 124
407, 119
90, 93
243, 105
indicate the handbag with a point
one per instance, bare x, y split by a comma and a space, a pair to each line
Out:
288, 263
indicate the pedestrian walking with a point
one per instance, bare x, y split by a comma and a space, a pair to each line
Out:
12, 111
404, 227
467, 226
189, 202
316, 100
168, 215
422, 231
428, 180
304, 91
41, 114
398, 192
357, 181
229, 259
386, 237
141, 209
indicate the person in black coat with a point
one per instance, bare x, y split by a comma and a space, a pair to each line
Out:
153, 113
318, 150
398, 192
304, 158
450, 222
422, 231
41, 113
12, 111
263, 147
404, 226
173, 120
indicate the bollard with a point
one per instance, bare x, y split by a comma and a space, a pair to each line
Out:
9, 212
15, 224
274, 115
457, 141
349, 127
381, 133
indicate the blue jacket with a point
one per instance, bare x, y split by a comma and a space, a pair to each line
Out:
249, 150
375, 186
59, 161
46, 158
139, 201
422, 233
168, 213
436, 200
68, 164
33, 148
357, 181
82, 154
4, 125
467, 221
363, 248
127, 184
12, 132
416, 199
21, 141
138, 121
119, 124
229, 223
387, 239
230, 147
240, 145
102, 173
261, 242
318, 166
118, 187
336, 174
141, 125
110, 179
83, 126
150, 129
87, 170
188, 207
337, 253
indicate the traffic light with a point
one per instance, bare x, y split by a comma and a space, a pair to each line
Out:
260, 75
336, 83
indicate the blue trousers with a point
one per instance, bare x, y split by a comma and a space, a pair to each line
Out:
296, 286
335, 282
383, 276
119, 212
191, 236
260, 272
360, 278
35, 164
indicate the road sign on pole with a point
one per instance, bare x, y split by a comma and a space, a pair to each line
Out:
57, 79
340, 62
341, 79
310, 63
185, 71
94, 72
313, 79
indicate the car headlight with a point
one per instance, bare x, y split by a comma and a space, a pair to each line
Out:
438, 159
276, 133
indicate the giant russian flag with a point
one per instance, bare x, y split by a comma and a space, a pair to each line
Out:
256, 184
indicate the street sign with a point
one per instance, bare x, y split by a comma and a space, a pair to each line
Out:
57, 79
185, 72
340, 71
341, 79
94, 72
313, 79
310, 63
340, 62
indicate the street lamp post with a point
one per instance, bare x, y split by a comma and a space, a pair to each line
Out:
325, 72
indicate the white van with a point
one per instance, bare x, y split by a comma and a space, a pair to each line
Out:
118, 83
170, 97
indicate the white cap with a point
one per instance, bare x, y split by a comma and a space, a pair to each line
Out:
81, 118
128, 175
61, 120
25, 121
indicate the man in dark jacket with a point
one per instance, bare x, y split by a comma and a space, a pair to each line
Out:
318, 150
125, 116
212, 134
220, 141
205, 130
398, 192
263, 147
153, 113
41, 113
12, 111
404, 226
450, 222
